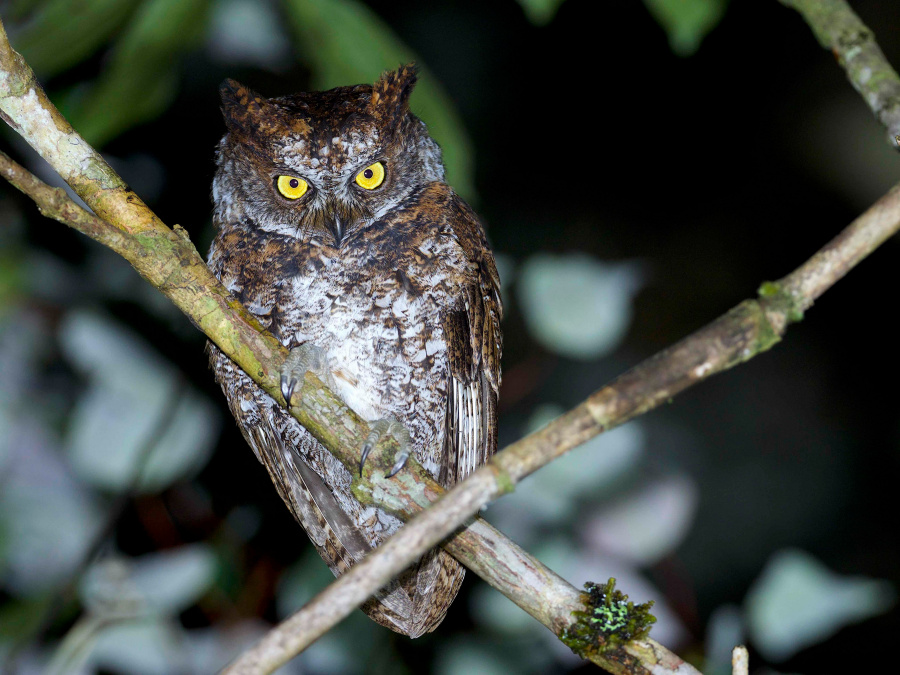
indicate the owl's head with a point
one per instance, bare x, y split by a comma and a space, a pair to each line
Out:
322, 163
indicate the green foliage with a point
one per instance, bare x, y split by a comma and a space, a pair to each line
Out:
65, 32
540, 12
610, 620
686, 22
11, 279
21, 617
139, 82
346, 43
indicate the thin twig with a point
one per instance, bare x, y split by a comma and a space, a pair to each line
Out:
838, 28
740, 661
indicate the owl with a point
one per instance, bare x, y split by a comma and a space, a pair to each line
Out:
336, 229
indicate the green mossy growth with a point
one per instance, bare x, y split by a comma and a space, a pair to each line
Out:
781, 299
610, 620
769, 289
504, 483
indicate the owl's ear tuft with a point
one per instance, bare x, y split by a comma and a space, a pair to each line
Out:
240, 105
390, 95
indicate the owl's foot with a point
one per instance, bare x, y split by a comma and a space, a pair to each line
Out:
381, 429
306, 357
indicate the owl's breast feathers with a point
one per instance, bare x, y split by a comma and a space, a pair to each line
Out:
431, 246
408, 309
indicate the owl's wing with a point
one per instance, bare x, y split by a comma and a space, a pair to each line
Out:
474, 344
267, 428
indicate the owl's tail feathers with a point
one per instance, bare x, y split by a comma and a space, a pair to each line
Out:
417, 601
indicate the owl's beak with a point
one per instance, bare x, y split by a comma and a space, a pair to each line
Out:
340, 218
337, 227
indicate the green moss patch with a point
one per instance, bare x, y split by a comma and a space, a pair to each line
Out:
610, 620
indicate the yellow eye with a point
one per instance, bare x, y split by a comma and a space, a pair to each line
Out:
291, 186
371, 177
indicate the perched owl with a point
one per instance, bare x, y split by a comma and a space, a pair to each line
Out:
336, 229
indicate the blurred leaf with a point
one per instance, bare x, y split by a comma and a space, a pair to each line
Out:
550, 497
471, 654
346, 43
724, 630
130, 394
797, 602
19, 618
173, 580
17, 9
209, 650
540, 12
11, 278
150, 646
50, 519
501, 614
62, 33
161, 584
648, 524
111, 427
300, 583
686, 22
248, 31
140, 80
155, 646
49, 531
575, 305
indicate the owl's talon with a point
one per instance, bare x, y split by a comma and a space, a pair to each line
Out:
366, 449
378, 430
300, 360
402, 456
287, 388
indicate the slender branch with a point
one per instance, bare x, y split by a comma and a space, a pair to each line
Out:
838, 28
740, 661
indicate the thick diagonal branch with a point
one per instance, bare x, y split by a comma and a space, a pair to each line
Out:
838, 28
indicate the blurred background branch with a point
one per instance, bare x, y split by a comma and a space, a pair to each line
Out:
839, 29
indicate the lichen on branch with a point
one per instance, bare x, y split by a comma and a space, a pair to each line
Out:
838, 28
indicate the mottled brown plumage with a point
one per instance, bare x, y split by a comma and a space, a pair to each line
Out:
397, 287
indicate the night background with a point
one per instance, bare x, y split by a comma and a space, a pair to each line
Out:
641, 167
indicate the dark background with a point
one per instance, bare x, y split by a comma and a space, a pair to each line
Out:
718, 170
